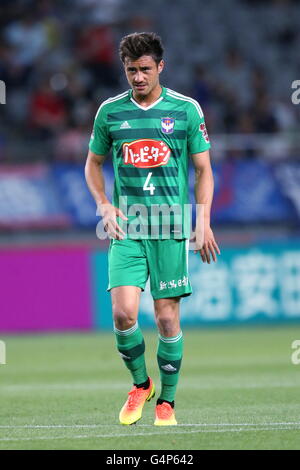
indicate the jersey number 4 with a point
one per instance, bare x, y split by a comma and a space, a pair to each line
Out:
149, 187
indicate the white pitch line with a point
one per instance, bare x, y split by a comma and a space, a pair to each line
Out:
95, 436
94, 426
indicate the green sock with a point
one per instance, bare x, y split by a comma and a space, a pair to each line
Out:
131, 346
169, 356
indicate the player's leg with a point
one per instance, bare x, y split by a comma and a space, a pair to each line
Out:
128, 273
131, 346
168, 266
169, 357
129, 338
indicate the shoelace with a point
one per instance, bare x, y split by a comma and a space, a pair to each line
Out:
164, 410
134, 397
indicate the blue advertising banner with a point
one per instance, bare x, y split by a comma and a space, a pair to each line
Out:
248, 191
251, 285
245, 191
73, 190
29, 198
288, 178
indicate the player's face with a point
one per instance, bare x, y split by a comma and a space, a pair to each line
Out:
143, 74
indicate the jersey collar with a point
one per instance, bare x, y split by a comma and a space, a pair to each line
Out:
162, 95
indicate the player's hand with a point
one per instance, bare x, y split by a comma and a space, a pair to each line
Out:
109, 214
209, 247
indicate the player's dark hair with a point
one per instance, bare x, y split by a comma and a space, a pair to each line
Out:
135, 45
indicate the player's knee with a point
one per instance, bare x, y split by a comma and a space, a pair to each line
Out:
123, 317
166, 323
167, 316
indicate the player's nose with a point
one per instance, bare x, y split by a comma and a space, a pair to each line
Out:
139, 77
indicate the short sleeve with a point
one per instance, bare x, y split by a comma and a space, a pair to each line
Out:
100, 141
198, 140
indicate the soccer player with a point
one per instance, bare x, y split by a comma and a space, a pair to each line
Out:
152, 131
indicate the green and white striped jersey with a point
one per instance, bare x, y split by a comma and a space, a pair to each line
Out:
150, 149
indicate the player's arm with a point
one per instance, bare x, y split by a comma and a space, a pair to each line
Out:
94, 177
96, 184
204, 189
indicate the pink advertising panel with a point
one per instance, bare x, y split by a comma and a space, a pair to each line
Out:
45, 289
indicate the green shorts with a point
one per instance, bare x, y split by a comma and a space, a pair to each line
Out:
131, 262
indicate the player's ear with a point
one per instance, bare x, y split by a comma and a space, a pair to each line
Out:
160, 66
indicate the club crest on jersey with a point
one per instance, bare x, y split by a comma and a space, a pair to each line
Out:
167, 125
146, 153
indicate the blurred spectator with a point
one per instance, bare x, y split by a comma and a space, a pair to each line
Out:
51, 22
96, 50
246, 123
71, 145
3, 155
47, 112
234, 73
4, 61
264, 115
258, 80
76, 48
202, 87
140, 23
231, 110
28, 40
13, 73
101, 11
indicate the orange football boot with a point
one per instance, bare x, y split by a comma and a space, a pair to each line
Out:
164, 415
133, 407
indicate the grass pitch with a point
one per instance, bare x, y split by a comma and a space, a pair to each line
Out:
238, 390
